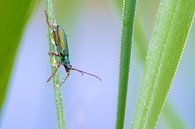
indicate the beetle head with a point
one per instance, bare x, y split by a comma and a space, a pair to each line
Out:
68, 67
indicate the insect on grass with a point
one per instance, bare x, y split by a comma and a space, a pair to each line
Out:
61, 44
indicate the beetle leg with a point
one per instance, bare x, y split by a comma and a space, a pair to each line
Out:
67, 75
50, 25
54, 72
53, 54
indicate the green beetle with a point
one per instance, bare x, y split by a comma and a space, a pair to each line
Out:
61, 43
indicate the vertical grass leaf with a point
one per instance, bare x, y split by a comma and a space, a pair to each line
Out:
14, 16
170, 116
171, 28
56, 77
128, 15
141, 43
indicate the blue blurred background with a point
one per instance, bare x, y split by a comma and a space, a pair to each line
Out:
94, 44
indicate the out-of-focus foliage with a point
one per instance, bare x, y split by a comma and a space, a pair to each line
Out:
14, 15
171, 119
170, 32
141, 43
66, 11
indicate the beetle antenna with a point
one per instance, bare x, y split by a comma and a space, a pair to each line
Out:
53, 73
83, 72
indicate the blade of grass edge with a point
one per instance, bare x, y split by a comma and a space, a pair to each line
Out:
172, 25
56, 77
12, 26
169, 115
141, 43
129, 7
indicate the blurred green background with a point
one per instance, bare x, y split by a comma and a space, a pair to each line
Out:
93, 29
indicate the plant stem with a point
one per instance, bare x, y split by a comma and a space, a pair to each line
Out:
56, 77
141, 42
10, 38
170, 32
169, 115
129, 7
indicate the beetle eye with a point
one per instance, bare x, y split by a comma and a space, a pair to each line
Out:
69, 66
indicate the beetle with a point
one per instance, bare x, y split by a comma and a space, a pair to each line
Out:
61, 44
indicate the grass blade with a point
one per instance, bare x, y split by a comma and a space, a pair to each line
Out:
129, 7
14, 14
56, 77
170, 116
172, 25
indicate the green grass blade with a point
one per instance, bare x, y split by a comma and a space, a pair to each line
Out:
172, 25
129, 7
169, 115
141, 43
56, 77
14, 16
140, 38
